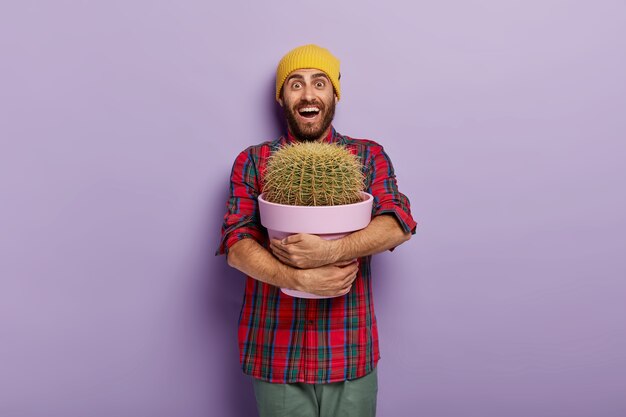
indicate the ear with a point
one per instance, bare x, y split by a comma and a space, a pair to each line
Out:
336, 99
280, 101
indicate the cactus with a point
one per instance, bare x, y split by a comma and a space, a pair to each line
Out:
313, 174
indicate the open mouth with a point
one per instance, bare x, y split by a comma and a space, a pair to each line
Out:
309, 112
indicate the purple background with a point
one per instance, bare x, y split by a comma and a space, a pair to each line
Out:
119, 122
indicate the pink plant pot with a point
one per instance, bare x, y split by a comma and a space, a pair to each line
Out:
328, 222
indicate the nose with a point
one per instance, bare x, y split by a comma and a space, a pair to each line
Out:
308, 92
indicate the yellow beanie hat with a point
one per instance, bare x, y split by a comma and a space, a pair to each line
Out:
308, 56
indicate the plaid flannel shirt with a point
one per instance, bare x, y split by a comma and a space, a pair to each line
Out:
283, 339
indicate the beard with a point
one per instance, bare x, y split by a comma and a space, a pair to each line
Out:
306, 131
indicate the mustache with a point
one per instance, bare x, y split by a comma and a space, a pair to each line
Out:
306, 103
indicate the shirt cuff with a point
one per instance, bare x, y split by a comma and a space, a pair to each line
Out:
237, 233
405, 219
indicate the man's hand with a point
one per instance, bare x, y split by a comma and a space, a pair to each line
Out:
304, 251
330, 280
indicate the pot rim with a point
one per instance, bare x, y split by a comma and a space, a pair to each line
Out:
366, 200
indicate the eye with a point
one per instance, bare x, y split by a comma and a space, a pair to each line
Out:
296, 85
320, 84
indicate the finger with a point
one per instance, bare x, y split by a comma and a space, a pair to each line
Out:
278, 249
343, 264
346, 290
279, 245
350, 278
284, 259
280, 257
351, 269
292, 239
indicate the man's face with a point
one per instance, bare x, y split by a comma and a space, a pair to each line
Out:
308, 99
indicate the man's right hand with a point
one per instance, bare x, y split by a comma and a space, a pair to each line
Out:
330, 280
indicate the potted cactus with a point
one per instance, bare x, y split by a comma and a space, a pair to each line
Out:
316, 188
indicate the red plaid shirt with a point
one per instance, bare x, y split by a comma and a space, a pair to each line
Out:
284, 339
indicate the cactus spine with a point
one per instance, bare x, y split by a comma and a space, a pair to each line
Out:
313, 174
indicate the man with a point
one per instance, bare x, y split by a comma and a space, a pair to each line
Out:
311, 357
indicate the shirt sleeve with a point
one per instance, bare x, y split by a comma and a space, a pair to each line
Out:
242, 219
387, 198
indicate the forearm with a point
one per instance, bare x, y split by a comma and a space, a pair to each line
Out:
249, 257
383, 233
255, 261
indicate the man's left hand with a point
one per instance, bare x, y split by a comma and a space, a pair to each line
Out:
304, 251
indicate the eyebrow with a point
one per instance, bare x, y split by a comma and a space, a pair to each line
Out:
300, 77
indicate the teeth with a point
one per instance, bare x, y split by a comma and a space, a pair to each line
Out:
310, 109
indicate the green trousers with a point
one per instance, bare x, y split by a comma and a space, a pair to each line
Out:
355, 398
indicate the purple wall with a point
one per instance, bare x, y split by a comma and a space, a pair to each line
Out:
119, 122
